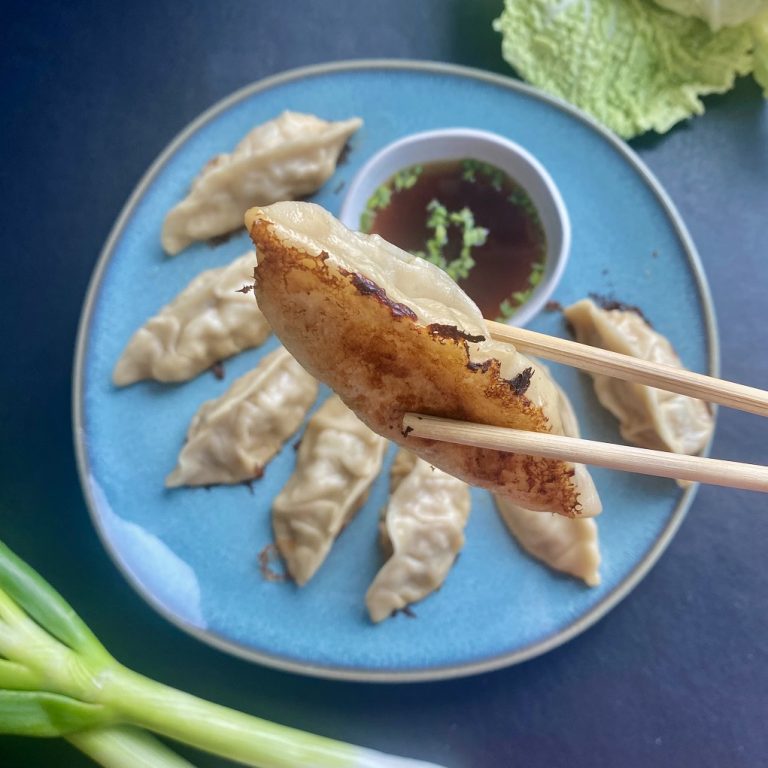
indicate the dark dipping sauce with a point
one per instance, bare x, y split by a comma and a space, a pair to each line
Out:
508, 265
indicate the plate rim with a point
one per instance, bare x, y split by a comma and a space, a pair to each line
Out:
353, 674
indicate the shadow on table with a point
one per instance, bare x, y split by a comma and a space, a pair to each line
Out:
475, 42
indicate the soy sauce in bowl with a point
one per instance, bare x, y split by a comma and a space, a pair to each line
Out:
480, 206
470, 218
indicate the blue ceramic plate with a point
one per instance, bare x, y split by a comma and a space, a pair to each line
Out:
192, 553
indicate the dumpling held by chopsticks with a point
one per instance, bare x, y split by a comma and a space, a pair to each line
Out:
392, 333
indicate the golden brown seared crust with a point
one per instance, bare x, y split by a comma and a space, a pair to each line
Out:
346, 332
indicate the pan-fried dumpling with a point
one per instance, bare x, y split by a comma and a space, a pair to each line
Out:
288, 157
209, 321
392, 333
233, 437
422, 531
567, 545
648, 417
564, 544
337, 460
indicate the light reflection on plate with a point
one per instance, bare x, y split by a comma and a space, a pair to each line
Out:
193, 553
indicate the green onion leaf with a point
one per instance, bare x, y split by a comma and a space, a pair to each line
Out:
17, 677
44, 604
366, 221
39, 713
407, 178
125, 747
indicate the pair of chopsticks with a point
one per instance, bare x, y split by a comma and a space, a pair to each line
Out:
629, 459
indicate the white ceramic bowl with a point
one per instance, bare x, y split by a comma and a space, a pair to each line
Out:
460, 143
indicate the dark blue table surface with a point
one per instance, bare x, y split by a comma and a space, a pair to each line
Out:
677, 675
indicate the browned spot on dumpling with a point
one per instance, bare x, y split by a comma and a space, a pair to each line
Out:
610, 305
442, 331
522, 381
368, 288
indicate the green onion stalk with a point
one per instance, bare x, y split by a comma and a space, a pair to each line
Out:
119, 746
57, 679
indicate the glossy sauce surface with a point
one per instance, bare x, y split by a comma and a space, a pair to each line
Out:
509, 262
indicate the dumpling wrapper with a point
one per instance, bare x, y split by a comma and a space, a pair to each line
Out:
648, 417
209, 321
288, 157
422, 530
337, 460
567, 545
392, 333
231, 438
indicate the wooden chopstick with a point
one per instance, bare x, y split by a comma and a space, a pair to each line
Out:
596, 360
730, 474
